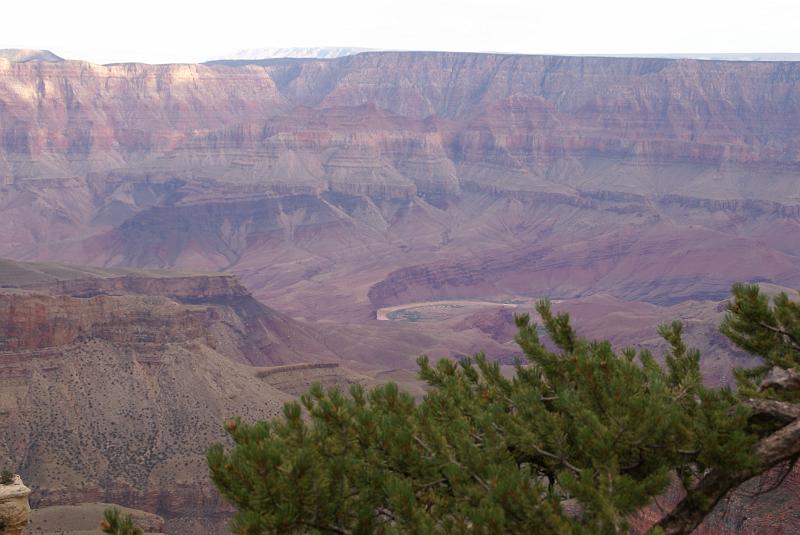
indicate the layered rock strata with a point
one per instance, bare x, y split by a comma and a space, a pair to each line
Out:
627, 175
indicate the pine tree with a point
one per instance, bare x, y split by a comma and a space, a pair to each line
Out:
577, 440
770, 330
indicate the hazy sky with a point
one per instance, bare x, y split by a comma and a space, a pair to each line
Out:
159, 31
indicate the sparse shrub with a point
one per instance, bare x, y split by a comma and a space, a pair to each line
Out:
6, 477
117, 523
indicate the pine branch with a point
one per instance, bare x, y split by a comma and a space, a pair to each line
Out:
562, 460
793, 341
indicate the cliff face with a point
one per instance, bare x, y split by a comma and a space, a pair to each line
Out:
47, 307
441, 111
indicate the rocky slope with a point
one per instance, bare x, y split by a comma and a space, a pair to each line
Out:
114, 382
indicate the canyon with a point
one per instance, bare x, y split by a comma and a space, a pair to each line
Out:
336, 187
241, 223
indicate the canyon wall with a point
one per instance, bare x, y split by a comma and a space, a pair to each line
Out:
114, 383
475, 110
352, 176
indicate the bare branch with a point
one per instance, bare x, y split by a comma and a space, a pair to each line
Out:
329, 529
431, 484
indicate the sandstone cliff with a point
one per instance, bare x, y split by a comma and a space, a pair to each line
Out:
524, 111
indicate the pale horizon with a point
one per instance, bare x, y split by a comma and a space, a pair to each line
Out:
190, 32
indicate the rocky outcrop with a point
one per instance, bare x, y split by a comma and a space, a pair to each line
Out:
14, 508
32, 321
196, 288
497, 324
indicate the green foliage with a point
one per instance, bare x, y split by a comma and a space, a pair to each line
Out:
117, 523
577, 440
770, 330
6, 477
